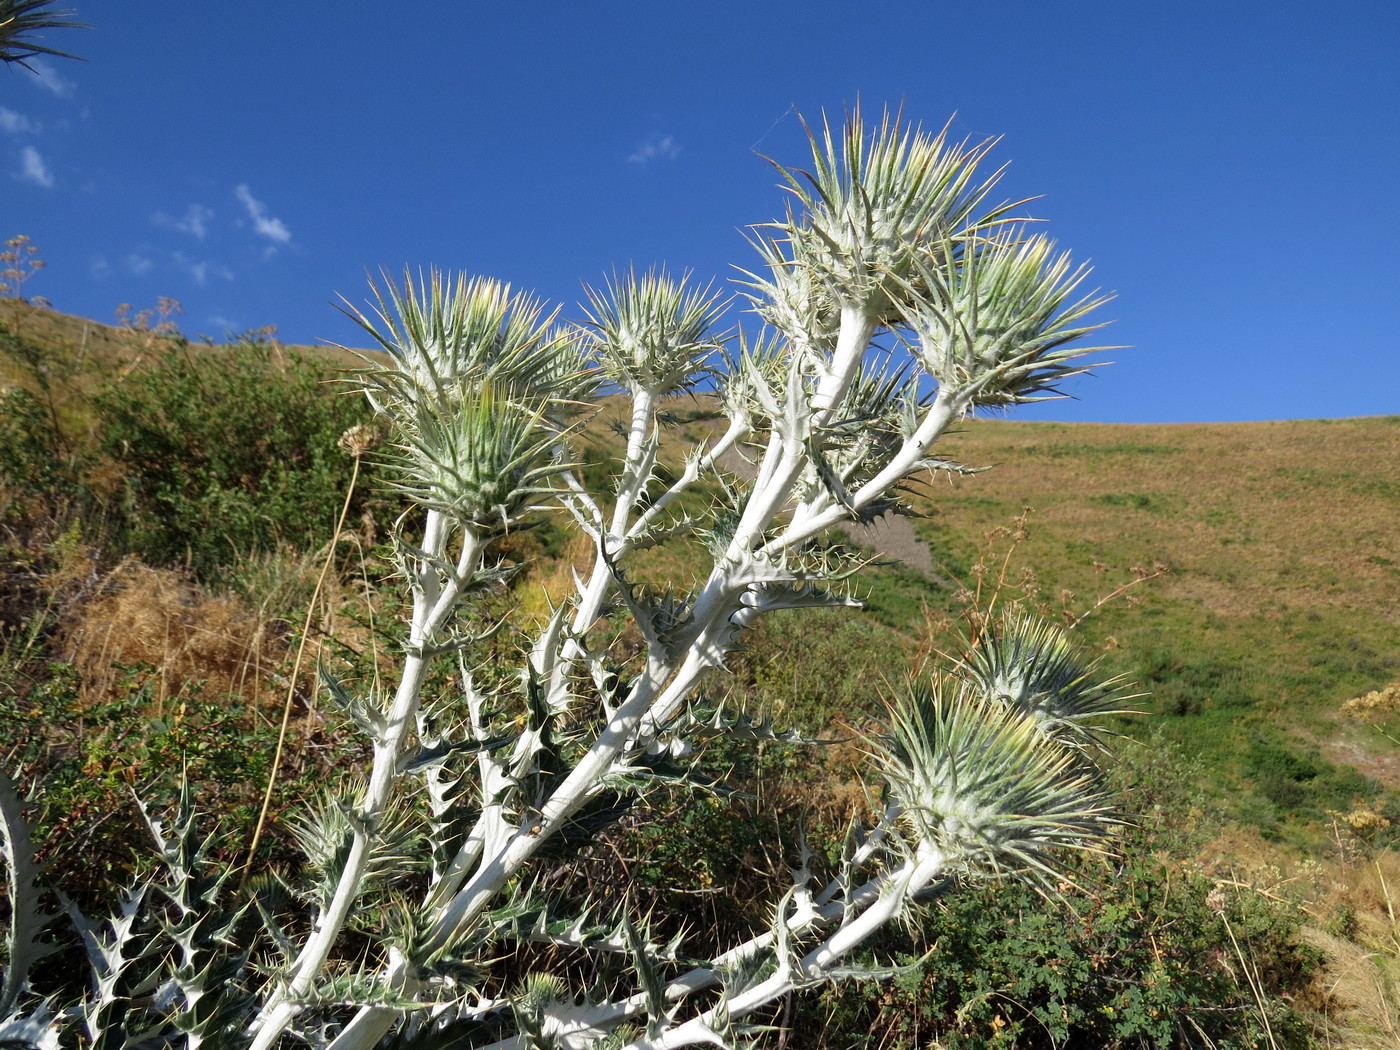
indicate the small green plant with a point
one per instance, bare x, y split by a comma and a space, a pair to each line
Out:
36, 478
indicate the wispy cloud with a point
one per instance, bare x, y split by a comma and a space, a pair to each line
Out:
263, 224
50, 79
137, 264
16, 123
202, 269
195, 221
33, 169
658, 147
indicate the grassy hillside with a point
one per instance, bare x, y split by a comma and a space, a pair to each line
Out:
1248, 575
1281, 540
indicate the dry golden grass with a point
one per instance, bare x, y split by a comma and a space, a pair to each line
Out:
76, 341
1360, 996
158, 618
551, 581
1253, 517
1352, 901
1362, 973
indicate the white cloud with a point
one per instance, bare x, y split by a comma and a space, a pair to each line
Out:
99, 267
655, 148
33, 169
202, 269
195, 221
271, 228
16, 123
137, 264
50, 79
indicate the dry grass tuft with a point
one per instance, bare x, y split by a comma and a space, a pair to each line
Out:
1353, 903
1373, 887
159, 618
1363, 998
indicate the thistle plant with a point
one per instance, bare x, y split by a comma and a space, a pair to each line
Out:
896, 298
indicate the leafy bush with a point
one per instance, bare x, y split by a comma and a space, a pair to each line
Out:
95, 759
224, 452
1151, 954
1298, 783
36, 479
810, 669
1148, 951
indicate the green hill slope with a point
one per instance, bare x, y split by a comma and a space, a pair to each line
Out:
1281, 602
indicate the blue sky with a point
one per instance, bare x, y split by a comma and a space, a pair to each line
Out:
1229, 167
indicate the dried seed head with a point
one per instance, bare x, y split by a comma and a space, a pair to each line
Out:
361, 438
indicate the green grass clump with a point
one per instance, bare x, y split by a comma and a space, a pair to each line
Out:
180, 454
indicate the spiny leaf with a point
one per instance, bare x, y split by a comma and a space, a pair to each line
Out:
448, 332
27, 918
999, 324
38, 1030
427, 757
651, 333
483, 461
1030, 665
872, 204
20, 25
978, 782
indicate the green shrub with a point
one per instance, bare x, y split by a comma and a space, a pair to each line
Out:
1148, 951
36, 479
1190, 683
223, 452
1304, 784
1144, 958
811, 670
95, 758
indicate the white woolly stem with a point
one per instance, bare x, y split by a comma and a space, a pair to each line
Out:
891, 897
433, 600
